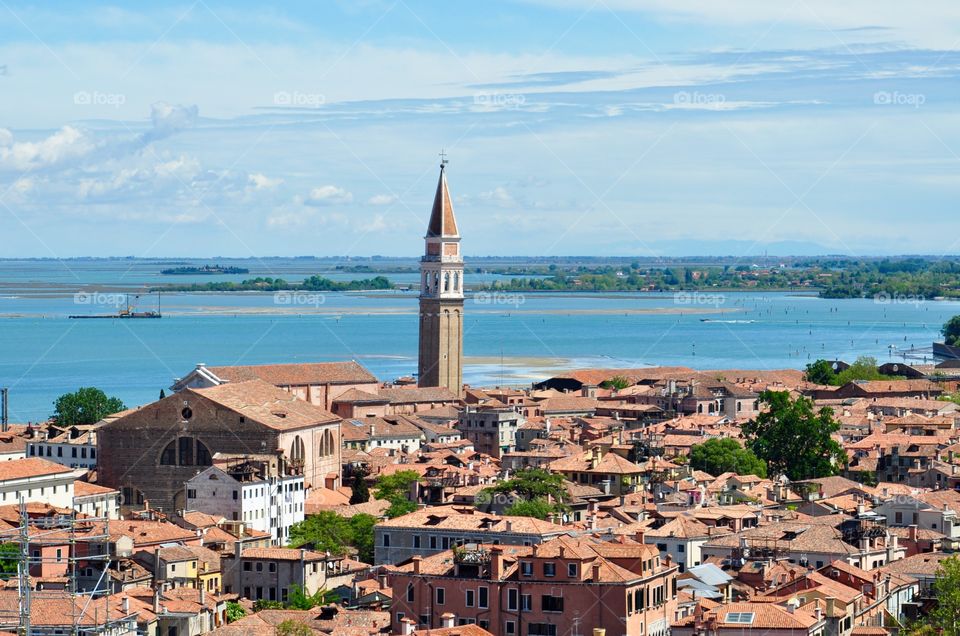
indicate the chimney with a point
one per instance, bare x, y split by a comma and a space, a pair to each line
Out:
818, 612
831, 602
382, 581
496, 562
596, 571
639, 536
156, 600
416, 564
913, 533
125, 605
448, 620
599, 631
407, 627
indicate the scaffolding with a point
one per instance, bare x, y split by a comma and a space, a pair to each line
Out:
82, 614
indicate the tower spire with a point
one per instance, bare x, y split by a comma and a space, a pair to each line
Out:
443, 223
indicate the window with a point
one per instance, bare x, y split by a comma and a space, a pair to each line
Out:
681, 548
526, 568
512, 600
510, 628
441, 596
416, 540
482, 597
59, 555
549, 569
247, 566
739, 618
410, 593
542, 629
259, 567
550, 603
469, 601
191, 493
386, 540
526, 602
272, 566
572, 570
236, 495
59, 451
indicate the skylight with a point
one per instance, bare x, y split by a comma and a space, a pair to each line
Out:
740, 618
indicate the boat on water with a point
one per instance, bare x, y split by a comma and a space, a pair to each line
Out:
127, 313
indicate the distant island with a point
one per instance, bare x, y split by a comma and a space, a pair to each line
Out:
913, 278
267, 284
204, 269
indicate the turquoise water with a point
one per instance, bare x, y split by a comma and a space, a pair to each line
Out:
44, 354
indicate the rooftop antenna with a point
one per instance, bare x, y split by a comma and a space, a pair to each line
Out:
443, 159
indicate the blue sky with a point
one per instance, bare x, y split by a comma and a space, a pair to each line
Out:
633, 127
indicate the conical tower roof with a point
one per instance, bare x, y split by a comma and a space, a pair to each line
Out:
442, 221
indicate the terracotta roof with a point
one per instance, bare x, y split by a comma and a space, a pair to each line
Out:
357, 396
84, 489
281, 554
30, 467
299, 374
265, 404
420, 394
449, 518
765, 616
443, 223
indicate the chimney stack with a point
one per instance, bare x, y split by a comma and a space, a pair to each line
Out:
448, 620
416, 564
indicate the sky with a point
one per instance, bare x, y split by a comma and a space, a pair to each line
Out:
572, 127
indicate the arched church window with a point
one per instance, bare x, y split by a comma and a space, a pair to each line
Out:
446, 281
456, 281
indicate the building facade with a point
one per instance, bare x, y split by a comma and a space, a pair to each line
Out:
441, 297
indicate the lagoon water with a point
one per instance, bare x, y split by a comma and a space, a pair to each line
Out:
509, 338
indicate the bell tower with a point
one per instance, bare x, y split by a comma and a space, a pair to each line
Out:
441, 295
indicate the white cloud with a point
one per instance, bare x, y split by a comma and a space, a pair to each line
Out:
328, 195
66, 144
260, 181
499, 197
381, 199
6, 137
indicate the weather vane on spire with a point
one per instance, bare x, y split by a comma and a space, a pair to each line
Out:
443, 158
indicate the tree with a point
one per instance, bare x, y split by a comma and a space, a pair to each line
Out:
864, 368
362, 527
300, 600
326, 531
9, 558
291, 627
951, 332
793, 439
235, 611
537, 508
87, 405
361, 493
534, 483
329, 532
717, 456
395, 488
820, 372
946, 589
617, 382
